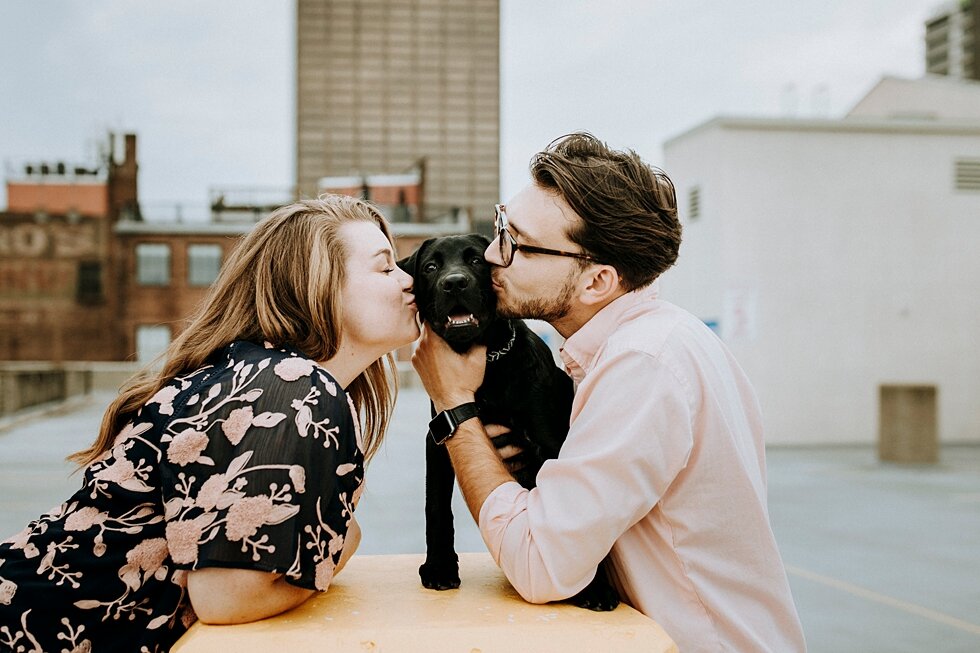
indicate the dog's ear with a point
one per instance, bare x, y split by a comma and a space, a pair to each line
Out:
483, 240
410, 263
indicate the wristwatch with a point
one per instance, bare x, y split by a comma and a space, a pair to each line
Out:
443, 425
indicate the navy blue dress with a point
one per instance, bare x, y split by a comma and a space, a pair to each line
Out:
252, 462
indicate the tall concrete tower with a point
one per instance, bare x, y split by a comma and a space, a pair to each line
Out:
952, 45
388, 87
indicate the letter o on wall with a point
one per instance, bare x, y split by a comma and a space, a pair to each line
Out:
28, 240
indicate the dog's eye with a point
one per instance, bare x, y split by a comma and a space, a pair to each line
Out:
429, 267
476, 260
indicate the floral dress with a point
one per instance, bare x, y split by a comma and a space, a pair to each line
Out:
253, 462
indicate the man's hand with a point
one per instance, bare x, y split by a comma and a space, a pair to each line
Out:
450, 379
509, 454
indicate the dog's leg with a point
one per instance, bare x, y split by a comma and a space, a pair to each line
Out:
441, 568
599, 595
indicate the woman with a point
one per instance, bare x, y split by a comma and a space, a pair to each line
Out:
225, 484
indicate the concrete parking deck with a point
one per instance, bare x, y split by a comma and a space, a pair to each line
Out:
880, 557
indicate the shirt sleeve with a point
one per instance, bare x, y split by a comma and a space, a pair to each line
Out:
630, 437
260, 470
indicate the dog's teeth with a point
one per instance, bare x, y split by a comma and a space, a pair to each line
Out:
461, 321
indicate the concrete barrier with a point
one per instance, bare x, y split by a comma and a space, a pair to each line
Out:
107, 376
377, 604
29, 384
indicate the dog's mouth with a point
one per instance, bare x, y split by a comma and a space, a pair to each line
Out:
461, 319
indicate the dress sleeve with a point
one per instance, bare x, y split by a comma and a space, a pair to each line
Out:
260, 470
630, 440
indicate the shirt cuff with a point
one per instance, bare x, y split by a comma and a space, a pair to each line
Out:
501, 506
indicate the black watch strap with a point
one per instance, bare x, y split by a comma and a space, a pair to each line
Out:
443, 425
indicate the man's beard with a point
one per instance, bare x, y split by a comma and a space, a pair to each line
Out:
548, 309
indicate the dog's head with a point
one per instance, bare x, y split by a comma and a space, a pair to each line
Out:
453, 287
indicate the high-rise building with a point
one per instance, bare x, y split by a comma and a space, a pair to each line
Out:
952, 46
401, 87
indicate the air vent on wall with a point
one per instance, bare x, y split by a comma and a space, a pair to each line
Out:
967, 174
694, 203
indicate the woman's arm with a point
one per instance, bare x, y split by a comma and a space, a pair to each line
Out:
236, 596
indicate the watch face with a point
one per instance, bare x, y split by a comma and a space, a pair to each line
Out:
441, 427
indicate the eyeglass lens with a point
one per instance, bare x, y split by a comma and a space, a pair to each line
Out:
505, 243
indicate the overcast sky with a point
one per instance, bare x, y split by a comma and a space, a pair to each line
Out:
209, 86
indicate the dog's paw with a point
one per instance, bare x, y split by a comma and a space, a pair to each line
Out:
440, 575
599, 596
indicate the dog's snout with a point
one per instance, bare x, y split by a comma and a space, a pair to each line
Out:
454, 282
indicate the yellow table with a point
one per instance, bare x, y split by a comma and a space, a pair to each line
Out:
377, 604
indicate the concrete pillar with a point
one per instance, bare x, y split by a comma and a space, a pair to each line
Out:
907, 430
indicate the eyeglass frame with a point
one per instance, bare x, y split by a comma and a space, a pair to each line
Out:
500, 216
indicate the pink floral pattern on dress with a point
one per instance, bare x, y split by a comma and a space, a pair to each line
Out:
187, 446
238, 422
198, 477
183, 537
85, 518
165, 397
293, 369
7, 591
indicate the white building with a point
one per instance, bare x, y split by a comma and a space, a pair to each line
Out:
834, 256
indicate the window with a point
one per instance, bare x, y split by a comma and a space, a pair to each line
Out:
153, 264
203, 263
151, 340
89, 282
694, 203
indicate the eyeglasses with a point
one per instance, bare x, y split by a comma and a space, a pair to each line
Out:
508, 245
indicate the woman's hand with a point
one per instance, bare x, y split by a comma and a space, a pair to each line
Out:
351, 542
450, 379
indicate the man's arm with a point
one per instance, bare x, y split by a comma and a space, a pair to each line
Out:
631, 436
451, 379
478, 468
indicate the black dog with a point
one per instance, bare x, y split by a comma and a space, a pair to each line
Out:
522, 389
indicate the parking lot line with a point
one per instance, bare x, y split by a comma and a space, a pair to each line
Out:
884, 599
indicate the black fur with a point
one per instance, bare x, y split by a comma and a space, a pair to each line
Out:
522, 389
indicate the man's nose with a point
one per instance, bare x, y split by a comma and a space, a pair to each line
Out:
492, 253
454, 282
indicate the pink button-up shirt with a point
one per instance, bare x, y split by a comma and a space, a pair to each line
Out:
664, 470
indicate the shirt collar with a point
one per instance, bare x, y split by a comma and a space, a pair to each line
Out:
580, 349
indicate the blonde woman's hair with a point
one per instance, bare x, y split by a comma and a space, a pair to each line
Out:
281, 284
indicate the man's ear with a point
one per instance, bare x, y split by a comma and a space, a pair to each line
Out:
410, 263
602, 286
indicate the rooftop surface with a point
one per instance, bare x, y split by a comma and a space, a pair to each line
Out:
880, 557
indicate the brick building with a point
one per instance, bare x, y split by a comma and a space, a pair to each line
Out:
85, 277
58, 289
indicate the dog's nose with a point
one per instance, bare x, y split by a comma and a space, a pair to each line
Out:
454, 282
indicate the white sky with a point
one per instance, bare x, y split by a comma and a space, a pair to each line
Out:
209, 87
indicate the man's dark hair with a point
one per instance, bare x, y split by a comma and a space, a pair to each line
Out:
628, 208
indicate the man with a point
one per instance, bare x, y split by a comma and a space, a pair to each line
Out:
664, 465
